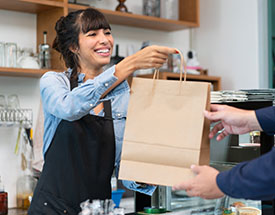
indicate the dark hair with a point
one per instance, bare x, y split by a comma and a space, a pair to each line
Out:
68, 29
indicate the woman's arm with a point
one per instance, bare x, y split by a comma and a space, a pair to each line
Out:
60, 101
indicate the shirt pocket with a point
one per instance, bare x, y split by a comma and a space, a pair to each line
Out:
119, 125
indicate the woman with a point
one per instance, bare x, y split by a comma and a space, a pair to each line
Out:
85, 111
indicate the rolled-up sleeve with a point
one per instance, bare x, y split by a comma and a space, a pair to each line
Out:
147, 189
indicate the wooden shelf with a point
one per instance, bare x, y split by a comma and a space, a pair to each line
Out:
19, 72
49, 11
140, 21
216, 81
188, 16
30, 6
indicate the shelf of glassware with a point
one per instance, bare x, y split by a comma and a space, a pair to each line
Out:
19, 117
188, 13
142, 21
20, 72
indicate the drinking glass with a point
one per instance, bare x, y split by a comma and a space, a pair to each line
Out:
2, 54
10, 55
3, 103
3, 106
13, 102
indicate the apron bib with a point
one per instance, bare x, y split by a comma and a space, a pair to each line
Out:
78, 165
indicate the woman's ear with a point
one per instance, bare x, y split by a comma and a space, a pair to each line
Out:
74, 49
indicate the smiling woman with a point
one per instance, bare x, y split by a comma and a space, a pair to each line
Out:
85, 111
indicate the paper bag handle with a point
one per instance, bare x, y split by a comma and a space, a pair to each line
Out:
182, 65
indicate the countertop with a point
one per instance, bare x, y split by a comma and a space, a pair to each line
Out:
15, 211
126, 203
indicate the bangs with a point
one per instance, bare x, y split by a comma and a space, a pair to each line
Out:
93, 20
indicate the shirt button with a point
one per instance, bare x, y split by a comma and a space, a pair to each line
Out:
106, 84
118, 114
45, 203
65, 211
91, 105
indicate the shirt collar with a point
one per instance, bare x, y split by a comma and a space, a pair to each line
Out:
81, 76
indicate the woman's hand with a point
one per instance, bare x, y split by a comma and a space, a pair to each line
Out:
152, 57
149, 57
231, 121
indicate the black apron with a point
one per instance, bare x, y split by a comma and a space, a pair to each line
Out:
78, 165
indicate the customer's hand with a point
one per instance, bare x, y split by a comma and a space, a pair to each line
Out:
231, 121
203, 185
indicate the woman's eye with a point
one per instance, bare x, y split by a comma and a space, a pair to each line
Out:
108, 32
92, 34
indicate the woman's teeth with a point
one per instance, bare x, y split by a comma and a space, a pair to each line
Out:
103, 51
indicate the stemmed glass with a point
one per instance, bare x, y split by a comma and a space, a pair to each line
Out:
3, 106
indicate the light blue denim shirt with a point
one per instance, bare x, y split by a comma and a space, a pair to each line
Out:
60, 102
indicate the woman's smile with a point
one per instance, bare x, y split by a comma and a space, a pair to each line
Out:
103, 51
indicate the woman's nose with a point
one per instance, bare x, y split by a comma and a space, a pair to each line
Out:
103, 39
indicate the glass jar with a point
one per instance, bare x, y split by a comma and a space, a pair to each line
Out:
25, 186
26, 183
151, 8
255, 137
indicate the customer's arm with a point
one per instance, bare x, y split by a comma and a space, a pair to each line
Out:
251, 180
254, 179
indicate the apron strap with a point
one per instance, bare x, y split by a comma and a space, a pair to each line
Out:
107, 110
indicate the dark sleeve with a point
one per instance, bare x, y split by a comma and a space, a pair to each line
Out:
250, 180
266, 118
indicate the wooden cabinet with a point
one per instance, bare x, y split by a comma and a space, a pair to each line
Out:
49, 11
214, 80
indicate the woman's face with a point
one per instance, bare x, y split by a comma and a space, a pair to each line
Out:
95, 48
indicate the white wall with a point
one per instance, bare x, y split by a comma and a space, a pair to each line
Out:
21, 29
228, 41
18, 28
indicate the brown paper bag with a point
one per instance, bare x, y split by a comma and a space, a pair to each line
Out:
165, 130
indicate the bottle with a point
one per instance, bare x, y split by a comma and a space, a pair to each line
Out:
121, 7
45, 53
3, 199
26, 183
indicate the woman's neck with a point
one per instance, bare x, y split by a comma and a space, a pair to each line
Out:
90, 73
